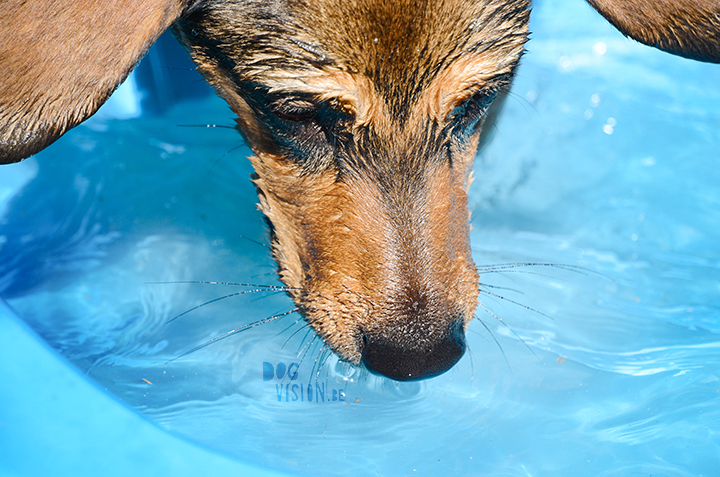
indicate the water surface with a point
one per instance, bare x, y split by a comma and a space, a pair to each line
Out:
605, 157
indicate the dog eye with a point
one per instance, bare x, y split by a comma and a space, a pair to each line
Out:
294, 110
469, 112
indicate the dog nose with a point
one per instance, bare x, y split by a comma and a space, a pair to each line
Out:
409, 355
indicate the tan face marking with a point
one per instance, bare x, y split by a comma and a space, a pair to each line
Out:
362, 258
366, 186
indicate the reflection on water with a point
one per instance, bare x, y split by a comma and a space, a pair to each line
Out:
604, 158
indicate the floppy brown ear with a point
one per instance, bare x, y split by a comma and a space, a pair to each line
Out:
61, 59
689, 28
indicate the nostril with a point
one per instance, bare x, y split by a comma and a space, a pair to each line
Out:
405, 355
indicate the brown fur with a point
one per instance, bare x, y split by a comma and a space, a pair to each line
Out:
379, 240
371, 231
689, 28
364, 117
60, 61
356, 257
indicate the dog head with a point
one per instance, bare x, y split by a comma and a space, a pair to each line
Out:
364, 117
364, 122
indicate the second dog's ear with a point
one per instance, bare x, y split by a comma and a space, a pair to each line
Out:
689, 28
61, 59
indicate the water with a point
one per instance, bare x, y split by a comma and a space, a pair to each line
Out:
605, 157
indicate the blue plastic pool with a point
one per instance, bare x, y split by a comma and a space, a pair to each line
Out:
606, 156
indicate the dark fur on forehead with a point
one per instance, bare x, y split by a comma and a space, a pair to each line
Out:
399, 45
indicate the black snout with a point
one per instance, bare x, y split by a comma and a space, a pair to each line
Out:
409, 354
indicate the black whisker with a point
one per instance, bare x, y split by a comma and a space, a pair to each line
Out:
212, 166
228, 152
323, 362
496, 287
234, 332
202, 282
306, 325
215, 300
521, 272
257, 242
273, 273
512, 267
305, 347
511, 331
477, 333
272, 293
491, 333
515, 303
319, 360
472, 367
524, 102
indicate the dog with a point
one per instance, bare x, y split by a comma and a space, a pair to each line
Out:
363, 116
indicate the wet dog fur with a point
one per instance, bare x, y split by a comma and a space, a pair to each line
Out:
363, 116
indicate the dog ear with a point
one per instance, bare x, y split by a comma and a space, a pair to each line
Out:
689, 28
61, 59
